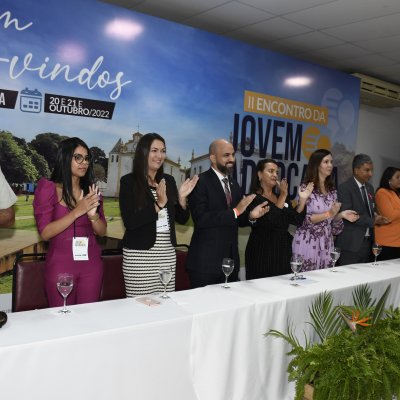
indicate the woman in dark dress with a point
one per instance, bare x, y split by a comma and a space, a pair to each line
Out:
269, 247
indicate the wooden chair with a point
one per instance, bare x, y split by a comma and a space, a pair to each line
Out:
28, 283
113, 286
28, 289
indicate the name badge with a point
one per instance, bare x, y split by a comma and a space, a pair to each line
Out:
162, 221
80, 248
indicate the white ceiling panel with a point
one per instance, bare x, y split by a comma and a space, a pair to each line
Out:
370, 61
274, 28
284, 6
382, 45
164, 12
343, 51
370, 29
175, 10
229, 16
342, 12
388, 69
350, 35
394, 55
309, 41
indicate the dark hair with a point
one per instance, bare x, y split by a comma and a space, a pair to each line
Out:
312, 170
255, 186
361, 159
141, 167
62, 170
386, 176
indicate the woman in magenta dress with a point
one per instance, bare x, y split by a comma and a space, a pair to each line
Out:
313, 240
69, 206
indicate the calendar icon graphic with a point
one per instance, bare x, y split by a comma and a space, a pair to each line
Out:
31, 101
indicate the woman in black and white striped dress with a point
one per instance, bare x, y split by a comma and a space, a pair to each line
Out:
150, 204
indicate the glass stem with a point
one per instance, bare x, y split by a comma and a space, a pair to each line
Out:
65, 303
226, 280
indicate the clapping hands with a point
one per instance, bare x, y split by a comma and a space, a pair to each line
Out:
334, 209
187, 186
88, 204
306, 193
283, 187
161, 191
349, 215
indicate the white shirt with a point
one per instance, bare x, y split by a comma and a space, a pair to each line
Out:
7, 196
220, 177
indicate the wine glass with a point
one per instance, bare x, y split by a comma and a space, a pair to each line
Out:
376, 250
296, 263
335, 254
227, 268
165, 276
65, 284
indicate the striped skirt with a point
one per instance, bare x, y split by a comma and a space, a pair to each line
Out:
140, 267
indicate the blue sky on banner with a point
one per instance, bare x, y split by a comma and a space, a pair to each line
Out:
183, 83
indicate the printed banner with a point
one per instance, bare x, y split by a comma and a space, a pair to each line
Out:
104, 73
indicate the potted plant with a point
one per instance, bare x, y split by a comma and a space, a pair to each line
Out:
357, 356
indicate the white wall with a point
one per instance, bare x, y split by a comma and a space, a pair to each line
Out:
379, 137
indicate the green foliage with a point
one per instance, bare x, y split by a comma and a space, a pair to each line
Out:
38, 161
16, 165
324, 316
46, 144
5, 283
361, 363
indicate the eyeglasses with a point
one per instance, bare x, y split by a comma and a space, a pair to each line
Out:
79, 158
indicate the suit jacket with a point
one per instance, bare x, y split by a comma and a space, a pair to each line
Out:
353, 234
215, 234
140, 224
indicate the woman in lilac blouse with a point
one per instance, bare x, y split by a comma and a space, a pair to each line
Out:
69, 206
313, 240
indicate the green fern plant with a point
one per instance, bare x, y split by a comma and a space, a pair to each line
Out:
360, 363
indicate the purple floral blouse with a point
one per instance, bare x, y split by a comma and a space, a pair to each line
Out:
314, 241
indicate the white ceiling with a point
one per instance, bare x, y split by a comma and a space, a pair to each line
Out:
349, 35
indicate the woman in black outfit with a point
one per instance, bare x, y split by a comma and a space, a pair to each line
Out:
269, 247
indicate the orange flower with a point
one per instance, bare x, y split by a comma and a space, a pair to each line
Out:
355, 321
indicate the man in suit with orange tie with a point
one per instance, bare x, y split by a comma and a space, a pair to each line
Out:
217, 209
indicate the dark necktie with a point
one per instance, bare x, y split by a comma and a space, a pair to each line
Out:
227, 192
364, 196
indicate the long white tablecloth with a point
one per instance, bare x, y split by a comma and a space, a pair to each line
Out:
202, 344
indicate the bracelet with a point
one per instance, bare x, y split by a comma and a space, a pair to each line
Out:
159, 206
94, 218
236, 212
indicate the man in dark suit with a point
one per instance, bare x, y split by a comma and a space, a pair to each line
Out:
358, 194
217, 209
